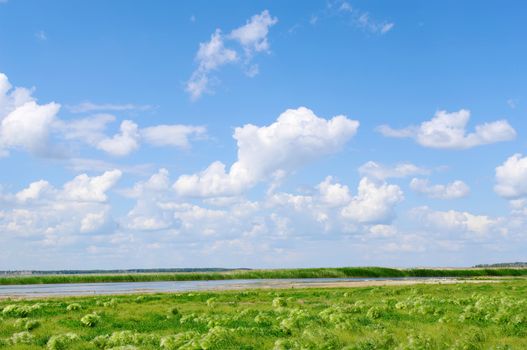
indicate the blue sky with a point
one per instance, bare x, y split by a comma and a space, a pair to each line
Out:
262, 134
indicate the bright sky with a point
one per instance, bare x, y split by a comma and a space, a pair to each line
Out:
262, 134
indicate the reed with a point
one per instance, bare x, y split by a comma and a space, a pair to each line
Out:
339, 272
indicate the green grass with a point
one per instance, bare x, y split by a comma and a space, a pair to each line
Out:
261, 274
455, 316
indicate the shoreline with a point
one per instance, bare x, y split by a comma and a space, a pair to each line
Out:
271, 285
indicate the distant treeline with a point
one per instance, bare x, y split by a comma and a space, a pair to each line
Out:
513, 264
340, 272
125, 271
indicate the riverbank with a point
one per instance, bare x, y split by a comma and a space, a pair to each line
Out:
341, 272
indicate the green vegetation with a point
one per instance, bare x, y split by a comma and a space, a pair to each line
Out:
340, 272
451, 316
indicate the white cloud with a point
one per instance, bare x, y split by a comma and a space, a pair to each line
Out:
56, 216
333, 194
29, 126
93, 221
455, 221
91, 130
158, 182
122, 143
265, 153
455, 189
253, 35
360, 18
448, 130
382, 231
346, 7
148, 214
374, 202
214, 54
84, 188
172, 135
511, 177
364, 21
34, 191
211, 55
24, 124
379, 171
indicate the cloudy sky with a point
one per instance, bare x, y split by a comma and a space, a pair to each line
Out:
262, 134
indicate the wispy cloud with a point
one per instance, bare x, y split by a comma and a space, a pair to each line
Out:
512, 103
215, 54
96, 165
41, 35
358, 18
107, 107
366, 22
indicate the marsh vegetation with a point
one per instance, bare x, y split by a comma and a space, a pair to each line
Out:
338, 272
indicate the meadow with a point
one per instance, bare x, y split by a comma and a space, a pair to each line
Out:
337, 272
462, 316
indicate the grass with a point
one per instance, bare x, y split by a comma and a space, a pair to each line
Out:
419, 317
340, 272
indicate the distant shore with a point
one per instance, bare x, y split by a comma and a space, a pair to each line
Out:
340, 272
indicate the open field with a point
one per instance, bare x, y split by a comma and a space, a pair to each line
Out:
340, 272
423, 316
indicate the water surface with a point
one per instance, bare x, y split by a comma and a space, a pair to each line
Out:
70, 289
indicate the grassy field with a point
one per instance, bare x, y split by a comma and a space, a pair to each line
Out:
420, 317
261, 274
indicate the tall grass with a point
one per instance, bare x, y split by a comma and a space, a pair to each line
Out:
465, 316
341, 272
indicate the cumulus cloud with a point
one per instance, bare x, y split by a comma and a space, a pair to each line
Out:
333, 193
328, 210
511, 177
379, 171
334, 206
56, 215
33, 191
214, 54
24, 124
148, 213
123, 143
455, 221
27, 125
374, 202
265, 153
455, 189
84, 188
448, 130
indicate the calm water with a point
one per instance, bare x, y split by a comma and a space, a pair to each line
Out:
36, 290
